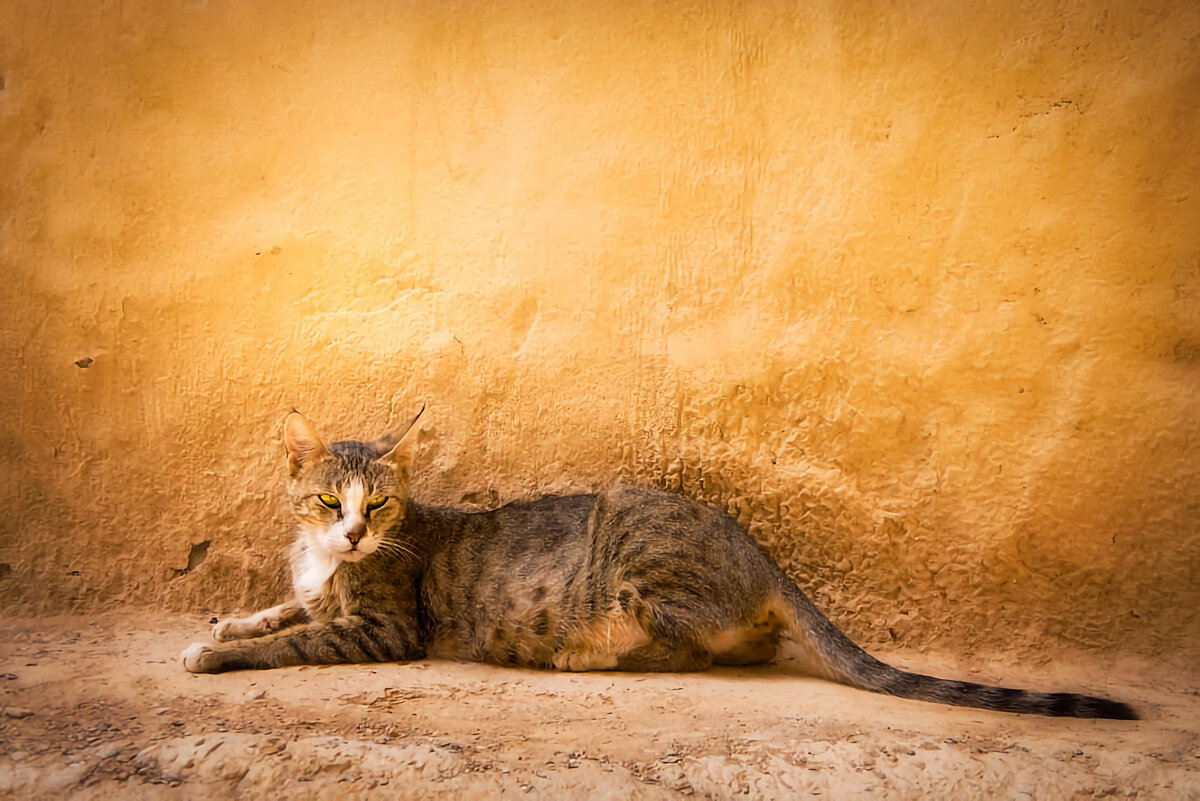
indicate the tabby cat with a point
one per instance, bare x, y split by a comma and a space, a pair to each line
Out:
627, 579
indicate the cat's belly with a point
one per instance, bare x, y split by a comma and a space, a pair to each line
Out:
504, 615
520, 634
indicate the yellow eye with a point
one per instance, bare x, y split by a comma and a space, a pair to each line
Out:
330, 500
376, 503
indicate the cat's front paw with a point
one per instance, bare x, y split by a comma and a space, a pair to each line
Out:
192, 656
239, 629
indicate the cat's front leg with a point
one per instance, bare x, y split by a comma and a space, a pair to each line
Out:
261, 623
365, 638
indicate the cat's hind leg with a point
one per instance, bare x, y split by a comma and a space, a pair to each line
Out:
637, 635
260, 623
599, 644
667, 657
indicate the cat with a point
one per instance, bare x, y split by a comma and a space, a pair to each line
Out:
627, 579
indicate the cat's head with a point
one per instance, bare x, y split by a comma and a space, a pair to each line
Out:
349, 495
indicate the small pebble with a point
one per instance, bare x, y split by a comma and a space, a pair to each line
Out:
17, 712
254, 695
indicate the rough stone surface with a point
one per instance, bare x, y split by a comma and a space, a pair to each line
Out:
911, 288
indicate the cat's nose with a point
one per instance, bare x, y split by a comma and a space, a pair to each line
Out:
355, 530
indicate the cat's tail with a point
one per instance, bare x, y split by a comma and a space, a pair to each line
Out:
836, 657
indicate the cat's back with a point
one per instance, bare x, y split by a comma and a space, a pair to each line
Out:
529, 526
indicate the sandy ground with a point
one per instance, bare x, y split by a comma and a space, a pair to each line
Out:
99, 708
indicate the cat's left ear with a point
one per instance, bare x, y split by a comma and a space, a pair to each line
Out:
399, 446
304, 447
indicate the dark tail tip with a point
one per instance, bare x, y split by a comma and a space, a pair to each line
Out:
1086, 706
1114, 710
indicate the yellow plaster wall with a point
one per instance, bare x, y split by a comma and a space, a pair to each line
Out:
912, 287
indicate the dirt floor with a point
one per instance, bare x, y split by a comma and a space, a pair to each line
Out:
99, 708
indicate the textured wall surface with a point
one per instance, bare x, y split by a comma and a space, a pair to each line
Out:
913, 288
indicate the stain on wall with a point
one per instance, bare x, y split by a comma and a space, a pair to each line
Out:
911, 288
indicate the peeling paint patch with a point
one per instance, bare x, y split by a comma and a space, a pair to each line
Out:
196, 556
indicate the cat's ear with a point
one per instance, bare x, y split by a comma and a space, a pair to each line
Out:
303, 445
399, 446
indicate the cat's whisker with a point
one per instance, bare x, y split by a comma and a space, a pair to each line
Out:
395, 550
392, 552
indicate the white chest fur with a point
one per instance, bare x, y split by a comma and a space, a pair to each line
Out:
311, 579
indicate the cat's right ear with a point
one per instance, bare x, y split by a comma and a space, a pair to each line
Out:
304, 447
398, 446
